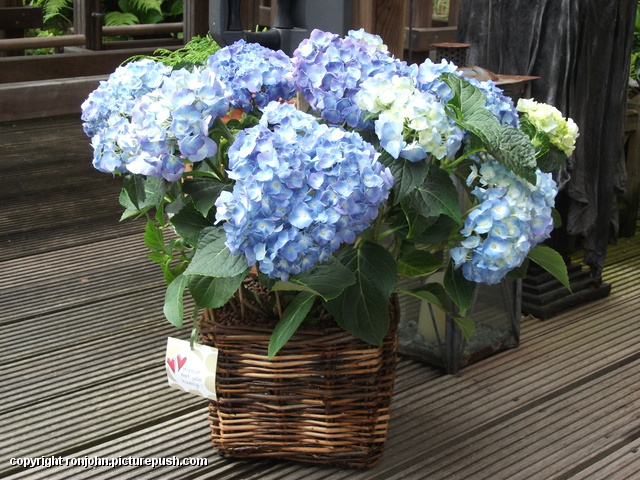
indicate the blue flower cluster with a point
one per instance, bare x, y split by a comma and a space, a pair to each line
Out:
117, 95
427, 78
512, 217
256, 75
301, 190
498, 103
328, 71
167, 126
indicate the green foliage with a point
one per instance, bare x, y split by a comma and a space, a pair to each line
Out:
113, 19
291, 319
57, 14
459, 289
195, 52
549, 158
362, 309
508, 145
551, 261
40, 33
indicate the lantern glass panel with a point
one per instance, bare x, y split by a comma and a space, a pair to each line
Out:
427, 334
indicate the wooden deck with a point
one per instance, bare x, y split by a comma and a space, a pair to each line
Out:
83, 340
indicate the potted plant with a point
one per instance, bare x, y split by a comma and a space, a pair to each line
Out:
291, 225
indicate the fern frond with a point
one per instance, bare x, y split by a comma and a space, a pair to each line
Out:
146, 5
195, 52
113, 19
54, 7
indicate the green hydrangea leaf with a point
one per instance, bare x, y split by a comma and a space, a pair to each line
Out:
174, 301
213, 292
363, 308
407, 176
458, 288
418, 263
437, 232
327, 280
291, 319
189, 223
203, 192
139, 194
153, 237
551, 159
214, 259
437, 195
508, 145
433, 293
552, 262
466, 325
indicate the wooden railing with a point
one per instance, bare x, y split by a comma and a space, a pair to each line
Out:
88, 21
88, 31
14, 20
46, 85
20, 44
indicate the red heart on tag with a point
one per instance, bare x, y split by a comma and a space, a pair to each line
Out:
172, 364
181, 361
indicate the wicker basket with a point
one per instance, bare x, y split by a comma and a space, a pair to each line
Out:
324, 399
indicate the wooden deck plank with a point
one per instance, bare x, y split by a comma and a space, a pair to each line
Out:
24, 340
535, 443
622, 463
143, 443
55, 429
119, 250
51, 195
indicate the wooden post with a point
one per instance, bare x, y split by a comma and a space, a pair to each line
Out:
196, 19
385, 18
87, 21
421, 15
454, 7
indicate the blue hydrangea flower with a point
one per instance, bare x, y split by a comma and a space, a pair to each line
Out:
511, 218
328, 71
302, 189
498, 103
255, 74
166, 126
117, 95
427, 78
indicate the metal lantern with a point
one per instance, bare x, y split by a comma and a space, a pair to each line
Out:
428, 334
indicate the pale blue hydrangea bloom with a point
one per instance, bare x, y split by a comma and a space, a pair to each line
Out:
302, 189
117, 95
427, 78
328, 71
167, 126
498, 103
255, 74
512, 217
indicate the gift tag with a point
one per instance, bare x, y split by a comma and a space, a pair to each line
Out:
192, 370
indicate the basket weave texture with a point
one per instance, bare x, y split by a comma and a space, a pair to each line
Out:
324, 399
